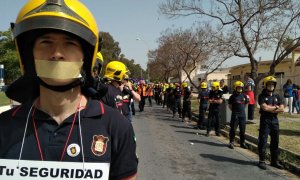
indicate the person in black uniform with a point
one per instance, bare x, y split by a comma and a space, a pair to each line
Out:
165, 94
115, 72
186, 107
58, 120
99, 85
170, 97
237, 102
215, 99
177, 100
132, 107
224, 87
270, 105
203, 101
128, 94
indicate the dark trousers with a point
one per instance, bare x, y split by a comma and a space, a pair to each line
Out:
234, 122
157, 98
251, 111
150, 100
142, 103
213, 118
202, 110
132, 108
165, 100
268, 126
177, 106
186, 109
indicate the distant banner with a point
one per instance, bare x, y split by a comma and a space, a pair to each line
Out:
29, 170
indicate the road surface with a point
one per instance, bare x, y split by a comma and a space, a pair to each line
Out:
169, 149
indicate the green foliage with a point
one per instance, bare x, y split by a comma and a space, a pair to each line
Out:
11, 66
3, 99
111, 51
9, 57
136, 70
110, 48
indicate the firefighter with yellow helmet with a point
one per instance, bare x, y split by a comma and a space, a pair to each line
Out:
114, 74
186, 105
215, 99
237, 102
98, 65
203, 104
128, 96
270, 105
57, 43
177, 100
98, 80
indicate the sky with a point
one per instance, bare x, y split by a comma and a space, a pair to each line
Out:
126, 21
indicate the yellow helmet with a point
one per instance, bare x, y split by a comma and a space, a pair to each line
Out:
172, 86
99, 63
203, 85
126, 77
215, 85
115, 70
238, 84
269, 79
184, 84
39, 16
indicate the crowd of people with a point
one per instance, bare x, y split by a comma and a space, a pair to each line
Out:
210, 98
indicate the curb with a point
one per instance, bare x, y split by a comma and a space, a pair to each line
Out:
285, 156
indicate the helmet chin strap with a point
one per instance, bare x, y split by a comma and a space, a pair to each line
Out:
62, 88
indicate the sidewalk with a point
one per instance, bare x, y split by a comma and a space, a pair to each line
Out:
287, 157
4, 108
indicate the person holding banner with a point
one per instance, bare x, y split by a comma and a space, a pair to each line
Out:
59, 118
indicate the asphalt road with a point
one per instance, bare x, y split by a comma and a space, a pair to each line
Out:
169, 149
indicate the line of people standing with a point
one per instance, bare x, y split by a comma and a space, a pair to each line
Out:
270, 105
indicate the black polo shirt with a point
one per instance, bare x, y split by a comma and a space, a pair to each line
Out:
126, 103
203, 96
186, 94
238, 102
215, 95
113, 97
99, 124
273, 100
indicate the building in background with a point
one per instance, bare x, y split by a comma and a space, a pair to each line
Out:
289, 68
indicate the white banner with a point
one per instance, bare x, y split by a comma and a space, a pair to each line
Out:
28, 170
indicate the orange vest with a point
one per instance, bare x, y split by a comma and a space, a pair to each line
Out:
149, 91
142, 91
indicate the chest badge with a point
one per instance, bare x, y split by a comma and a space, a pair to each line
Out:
73, 150
99, 145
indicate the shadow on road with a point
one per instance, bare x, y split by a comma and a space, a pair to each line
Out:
168, 119
184, 127
186, 132
209, 143
158, 114
227, 159
288, 132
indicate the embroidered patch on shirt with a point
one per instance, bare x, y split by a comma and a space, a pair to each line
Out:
99, 145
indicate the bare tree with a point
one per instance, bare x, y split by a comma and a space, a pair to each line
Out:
184, 51
161, 67
248, 26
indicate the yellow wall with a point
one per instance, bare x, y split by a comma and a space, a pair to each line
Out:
290, 72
